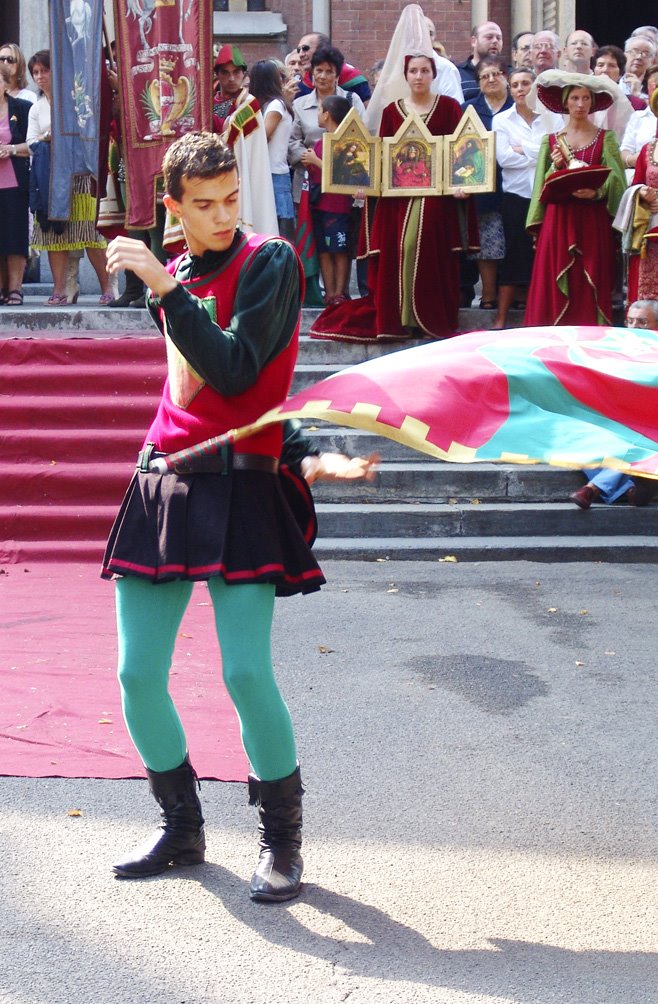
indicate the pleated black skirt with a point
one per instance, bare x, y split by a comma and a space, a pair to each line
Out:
246, 526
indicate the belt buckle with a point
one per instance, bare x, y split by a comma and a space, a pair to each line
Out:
144, 458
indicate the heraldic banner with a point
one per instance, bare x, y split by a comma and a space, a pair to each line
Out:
565, 396
76, 50
164, 50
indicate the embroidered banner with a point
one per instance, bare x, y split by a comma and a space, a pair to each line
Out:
76, 61
164, 50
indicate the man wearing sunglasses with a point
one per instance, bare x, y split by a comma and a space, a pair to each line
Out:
350, 79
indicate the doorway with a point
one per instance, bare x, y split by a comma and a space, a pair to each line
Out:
612, 23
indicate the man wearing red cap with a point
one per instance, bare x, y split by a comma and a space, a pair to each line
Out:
236, 114
230, 72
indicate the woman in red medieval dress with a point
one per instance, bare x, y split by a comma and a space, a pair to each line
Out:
643, 266
574, 269
638, 221
414, 243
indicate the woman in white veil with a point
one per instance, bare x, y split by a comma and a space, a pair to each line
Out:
414, 243
411, 35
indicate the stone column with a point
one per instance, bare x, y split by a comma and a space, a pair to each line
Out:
34, 26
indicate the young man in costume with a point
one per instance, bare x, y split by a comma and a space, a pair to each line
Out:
229, 310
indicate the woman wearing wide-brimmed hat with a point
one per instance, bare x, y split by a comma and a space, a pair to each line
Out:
578, 186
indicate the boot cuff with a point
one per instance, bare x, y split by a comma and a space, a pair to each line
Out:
264, 791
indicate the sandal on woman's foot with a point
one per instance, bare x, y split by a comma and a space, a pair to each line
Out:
488, 305
57, 301
14, 298
105, 299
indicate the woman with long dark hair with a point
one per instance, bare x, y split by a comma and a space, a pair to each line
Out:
266, 84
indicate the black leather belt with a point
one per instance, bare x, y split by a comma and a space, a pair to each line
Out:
217, 463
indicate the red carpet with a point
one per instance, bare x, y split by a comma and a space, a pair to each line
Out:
60, 714
73, 414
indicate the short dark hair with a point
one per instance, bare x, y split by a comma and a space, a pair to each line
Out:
195, 155
496, 61
519, 34
328, 54
337, 108
521, 69
40, 58
616, 53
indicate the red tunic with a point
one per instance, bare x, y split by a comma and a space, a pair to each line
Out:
435, 277
190, 409
573, 274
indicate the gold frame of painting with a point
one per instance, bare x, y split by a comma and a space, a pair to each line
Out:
351, 152
469, 157
398, 166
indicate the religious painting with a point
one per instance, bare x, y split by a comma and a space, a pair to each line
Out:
351, 160
411, 160
469, 157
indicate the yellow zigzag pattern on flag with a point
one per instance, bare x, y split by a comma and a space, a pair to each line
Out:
412, 432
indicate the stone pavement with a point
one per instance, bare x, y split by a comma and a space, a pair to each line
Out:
479, 747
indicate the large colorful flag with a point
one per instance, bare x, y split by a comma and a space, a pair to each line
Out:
164, 50
76, 60
568, 396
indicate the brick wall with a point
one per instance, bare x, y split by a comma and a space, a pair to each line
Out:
500, 12
362, 29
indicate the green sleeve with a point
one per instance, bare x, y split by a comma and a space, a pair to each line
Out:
615, 184
537, 209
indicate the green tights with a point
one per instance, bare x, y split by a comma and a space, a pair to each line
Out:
148, 619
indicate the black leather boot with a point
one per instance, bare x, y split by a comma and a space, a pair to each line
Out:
278, 875
180, 839
134, 289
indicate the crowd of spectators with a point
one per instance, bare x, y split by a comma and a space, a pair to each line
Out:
613, 127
